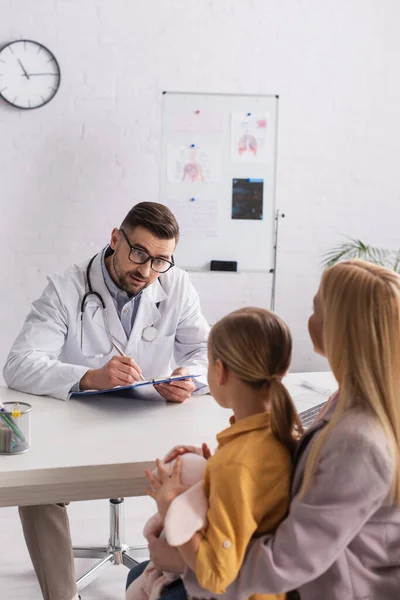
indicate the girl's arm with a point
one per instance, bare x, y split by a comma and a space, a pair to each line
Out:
234, 499
353, 480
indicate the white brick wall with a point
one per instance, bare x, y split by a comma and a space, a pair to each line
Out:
71, 170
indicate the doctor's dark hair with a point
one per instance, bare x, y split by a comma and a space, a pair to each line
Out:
155, 217
256, 345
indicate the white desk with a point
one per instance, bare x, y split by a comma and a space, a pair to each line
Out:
99, 447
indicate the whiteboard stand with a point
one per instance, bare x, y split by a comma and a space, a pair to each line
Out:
278, 215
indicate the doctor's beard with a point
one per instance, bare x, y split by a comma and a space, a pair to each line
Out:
132, 287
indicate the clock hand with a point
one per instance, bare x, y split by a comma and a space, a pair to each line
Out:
22, 67
34, 74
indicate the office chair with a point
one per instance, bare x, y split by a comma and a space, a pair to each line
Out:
117, 552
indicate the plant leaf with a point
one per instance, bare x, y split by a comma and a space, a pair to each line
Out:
358, 249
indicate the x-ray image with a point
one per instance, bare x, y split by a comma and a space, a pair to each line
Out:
247, 199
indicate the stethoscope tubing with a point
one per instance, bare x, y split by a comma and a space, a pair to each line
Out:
152, 332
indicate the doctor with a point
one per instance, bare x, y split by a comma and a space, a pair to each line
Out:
129, 297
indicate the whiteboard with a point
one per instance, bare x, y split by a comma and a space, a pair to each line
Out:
218, 157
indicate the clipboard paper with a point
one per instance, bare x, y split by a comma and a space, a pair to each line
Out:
134, 385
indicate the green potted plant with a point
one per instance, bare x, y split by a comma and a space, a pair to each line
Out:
353, 248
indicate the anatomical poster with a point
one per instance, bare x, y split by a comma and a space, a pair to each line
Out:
193, 164
249, 137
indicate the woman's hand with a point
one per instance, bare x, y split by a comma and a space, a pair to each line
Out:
165, 487
164, 557
179, 450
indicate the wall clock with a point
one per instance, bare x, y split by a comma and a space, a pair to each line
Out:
29, 74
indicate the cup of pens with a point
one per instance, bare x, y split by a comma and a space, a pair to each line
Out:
15, 427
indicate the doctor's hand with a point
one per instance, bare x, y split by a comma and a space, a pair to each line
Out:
120, 370
177, 391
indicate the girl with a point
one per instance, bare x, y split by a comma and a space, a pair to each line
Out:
247, 481
341, 539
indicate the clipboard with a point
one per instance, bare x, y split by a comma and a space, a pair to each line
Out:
137, 384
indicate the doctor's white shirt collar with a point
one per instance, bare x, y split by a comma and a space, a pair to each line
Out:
125, 305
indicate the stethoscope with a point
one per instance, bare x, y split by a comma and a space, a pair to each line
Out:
149, 333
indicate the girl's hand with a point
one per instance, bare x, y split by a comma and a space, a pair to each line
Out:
179, 450
166, 487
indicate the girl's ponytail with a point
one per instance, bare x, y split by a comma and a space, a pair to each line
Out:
285, 421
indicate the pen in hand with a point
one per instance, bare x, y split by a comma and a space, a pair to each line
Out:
121, 353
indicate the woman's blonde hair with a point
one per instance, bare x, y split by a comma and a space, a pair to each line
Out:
361, 334
257, 346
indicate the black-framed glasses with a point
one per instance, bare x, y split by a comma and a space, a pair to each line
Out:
138, 256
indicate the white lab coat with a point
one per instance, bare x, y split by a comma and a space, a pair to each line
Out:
46, 357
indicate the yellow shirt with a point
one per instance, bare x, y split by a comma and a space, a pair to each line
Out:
247, 483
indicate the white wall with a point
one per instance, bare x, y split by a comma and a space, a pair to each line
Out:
71, 170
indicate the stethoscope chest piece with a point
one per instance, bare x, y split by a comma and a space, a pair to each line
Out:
149, 334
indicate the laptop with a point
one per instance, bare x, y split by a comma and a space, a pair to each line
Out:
307, 416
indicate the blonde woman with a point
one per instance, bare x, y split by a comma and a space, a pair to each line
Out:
341, 539
247, 481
